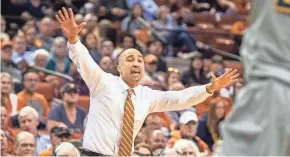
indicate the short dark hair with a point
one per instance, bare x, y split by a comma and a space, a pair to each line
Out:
127, 35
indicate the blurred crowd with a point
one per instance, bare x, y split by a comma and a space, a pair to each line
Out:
41, 89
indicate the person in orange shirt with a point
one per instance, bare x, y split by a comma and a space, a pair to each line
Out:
32, 98
188, 121
8, 99
58, 134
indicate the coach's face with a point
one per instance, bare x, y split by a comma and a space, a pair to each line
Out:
131, 67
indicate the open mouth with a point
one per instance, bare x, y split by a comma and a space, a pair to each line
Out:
135, 72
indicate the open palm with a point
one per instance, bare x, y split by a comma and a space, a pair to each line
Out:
68, 24
228, 78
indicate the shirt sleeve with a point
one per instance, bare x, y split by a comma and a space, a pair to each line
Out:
177, 100
89, 70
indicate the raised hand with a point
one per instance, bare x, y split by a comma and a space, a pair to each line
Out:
228, 78
68, 24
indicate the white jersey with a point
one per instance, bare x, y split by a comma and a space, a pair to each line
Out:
266, 44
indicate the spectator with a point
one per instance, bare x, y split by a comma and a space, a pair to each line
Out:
140, 138
45, 32
58, 134
68, 113
28, 120
8, 98
217, 66
169, 152
115, 10
156, 140
35, 8
41, 58
3, 24
6, 62
30, 97
195, 74
24, 144
4, 144
30, 33
143, 149
20, 56
177, 39
59, 61
130, 24
92, 42
186, 148
107, 48
208, 125
66, 149
188, 122
106, 63
173, 76
150, 61
157, 48
91, 20
127, 41
10, 133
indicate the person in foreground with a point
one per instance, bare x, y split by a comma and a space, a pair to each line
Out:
119, 105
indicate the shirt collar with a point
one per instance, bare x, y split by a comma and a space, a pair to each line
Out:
125, 87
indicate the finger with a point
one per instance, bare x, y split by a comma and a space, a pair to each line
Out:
71, 14
233, 81
233, 72
61, 16
235, 76
81, 26
227, 72
65, 13
213, 78
58, 19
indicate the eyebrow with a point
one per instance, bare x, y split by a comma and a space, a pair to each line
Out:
140, 56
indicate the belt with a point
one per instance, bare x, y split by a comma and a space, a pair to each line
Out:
86, 152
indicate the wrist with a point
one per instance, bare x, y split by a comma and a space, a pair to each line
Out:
73, 39
210, 89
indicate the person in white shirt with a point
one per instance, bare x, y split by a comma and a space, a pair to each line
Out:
119, 105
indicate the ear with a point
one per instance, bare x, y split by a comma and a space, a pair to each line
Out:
119, 69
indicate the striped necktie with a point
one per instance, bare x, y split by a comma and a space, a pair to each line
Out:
126, 141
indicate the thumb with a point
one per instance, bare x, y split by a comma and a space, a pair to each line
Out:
213, 78
81, 26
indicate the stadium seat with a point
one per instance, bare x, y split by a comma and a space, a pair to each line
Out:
142, 35
84, 102
46, 89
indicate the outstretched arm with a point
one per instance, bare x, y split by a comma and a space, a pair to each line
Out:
91, 73
178, 100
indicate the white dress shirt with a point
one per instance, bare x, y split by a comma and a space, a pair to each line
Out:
107, 100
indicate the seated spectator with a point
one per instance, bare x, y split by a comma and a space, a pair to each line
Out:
58, 134
30, 97
140, 138
195, 74
107, 64
186, 148
30, 33
157, 48
150, 61
20, 56
130, 24
127, 41
92, 42
41, 58
68, 113
7, 64
217, 66
9, 99
66, 149
59, 61
143, 149
169, 152
107, 48
176, 39
10, 133
156, 140
4, 144
207, 128
45, 32
28, 121
173, 76
25, 144
188, 122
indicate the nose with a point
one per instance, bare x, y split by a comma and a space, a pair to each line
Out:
136, 63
